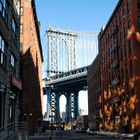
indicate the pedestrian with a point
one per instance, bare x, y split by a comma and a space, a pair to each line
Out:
39, 127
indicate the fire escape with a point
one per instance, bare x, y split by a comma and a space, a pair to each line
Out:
116, 97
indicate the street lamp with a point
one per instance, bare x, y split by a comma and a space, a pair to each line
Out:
27, 115
51, 116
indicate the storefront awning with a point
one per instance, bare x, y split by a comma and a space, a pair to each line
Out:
16, 82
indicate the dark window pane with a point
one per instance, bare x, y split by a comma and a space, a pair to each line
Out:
138, 4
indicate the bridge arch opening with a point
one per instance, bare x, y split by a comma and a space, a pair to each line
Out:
63, 57
83, 102
62, 101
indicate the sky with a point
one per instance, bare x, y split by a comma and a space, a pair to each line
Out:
81, 15
78, 15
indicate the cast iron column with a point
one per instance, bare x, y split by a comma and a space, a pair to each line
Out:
57, 109
48, 101
68, 107
76, 105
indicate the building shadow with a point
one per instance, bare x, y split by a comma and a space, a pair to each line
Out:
30, 99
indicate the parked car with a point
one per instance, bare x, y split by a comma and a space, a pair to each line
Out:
91, 131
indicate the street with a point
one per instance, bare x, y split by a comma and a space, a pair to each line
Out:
72, 135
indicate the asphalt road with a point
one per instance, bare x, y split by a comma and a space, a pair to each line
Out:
71, 135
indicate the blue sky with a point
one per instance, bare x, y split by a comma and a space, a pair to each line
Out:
79, 15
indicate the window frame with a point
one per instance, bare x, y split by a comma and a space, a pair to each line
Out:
21, 28
13, 24
13, 63
21, 11
139, 21
4, 9
2, 104
138, 4
3, 52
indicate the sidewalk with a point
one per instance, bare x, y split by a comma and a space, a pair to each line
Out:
116, 134
39, 138
43, 136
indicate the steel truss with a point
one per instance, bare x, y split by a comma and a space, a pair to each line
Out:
62, 57
61, 43
53, 108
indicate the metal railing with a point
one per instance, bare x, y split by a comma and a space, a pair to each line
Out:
12, 130
69, 73
7, 131
22, 127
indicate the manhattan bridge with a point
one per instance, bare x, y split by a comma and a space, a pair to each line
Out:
69, 54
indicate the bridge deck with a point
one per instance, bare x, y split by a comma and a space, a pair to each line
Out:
75, 79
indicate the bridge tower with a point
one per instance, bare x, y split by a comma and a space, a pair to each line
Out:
62, 51
62, 57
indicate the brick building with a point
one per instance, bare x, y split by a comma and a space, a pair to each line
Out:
31, 65
119, 47
10, 85
93, 82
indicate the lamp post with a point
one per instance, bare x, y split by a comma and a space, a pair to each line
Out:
27, 121
27, 115
51, 116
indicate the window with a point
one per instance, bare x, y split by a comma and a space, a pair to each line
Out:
139, 22
128, 6
123, 13
13, 25
120, 18
129, 24
120, 37
12, 110
125, 50
124, 32
122, 75
2, 52
0, 6
129, 47
126, 75
130, 68
121, 55
4, 3
138, 4
21, 46
21, 11
12, 60
17, 6
4, 9
13, 64
21, 28
2, 104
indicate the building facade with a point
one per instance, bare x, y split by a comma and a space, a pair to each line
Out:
10, 85
31, 65
82, 122
119, 48
93, 82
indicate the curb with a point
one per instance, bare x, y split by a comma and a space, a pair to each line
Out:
116, 134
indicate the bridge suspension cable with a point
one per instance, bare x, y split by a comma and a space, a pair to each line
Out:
68, 49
